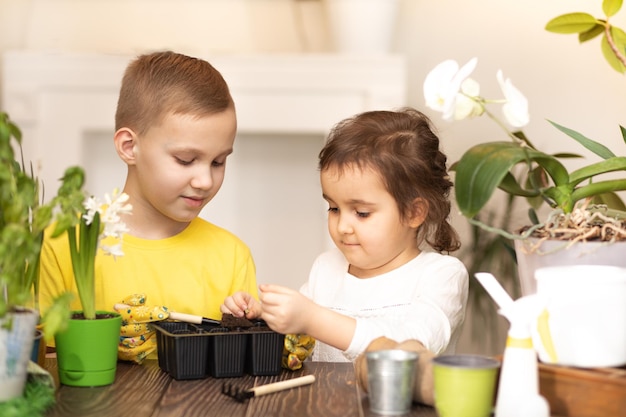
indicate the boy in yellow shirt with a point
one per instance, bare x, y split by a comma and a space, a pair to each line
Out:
175, 127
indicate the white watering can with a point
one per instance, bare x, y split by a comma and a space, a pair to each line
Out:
584, 320
518, 385
582, 316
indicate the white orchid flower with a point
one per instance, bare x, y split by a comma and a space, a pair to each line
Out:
516, 107
443, 87
466, 104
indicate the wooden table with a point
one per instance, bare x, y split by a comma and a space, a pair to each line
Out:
145, 390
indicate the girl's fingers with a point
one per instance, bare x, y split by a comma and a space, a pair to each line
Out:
272, 288
275, 294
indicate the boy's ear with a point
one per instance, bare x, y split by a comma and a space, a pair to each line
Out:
419, 212
125, 141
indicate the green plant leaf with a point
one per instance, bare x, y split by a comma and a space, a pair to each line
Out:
611, 200
571, 23
619, 38
532, 215
623, 130
521, 135
16, 132
592, 33
597, 188
561, 196
617, 163
595, 147
83, 255
57, 315
611, 7
537, 178
510, 185
566, 155
483, 168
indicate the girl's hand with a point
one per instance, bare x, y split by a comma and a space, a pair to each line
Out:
285, 310
242, 304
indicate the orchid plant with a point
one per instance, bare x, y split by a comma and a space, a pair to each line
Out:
579, 198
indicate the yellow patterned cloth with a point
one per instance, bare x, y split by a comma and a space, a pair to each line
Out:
137, 336
297, 348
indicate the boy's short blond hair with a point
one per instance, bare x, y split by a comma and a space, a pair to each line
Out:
166, 82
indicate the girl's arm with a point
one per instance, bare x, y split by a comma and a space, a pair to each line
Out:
288, 311
433, 317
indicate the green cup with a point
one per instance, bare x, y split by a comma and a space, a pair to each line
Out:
464, 385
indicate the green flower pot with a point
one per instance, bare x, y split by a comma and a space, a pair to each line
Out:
87, 351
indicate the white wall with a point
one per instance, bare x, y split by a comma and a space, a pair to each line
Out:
564, 81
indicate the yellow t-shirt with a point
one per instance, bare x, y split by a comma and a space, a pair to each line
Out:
192, 272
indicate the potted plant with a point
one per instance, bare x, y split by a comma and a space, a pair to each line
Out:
613, 42
583, 202
23, 218
87, 346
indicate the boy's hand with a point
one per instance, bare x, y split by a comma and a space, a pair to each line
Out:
137, 336
242, 304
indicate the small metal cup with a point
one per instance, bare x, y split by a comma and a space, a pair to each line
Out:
391, 379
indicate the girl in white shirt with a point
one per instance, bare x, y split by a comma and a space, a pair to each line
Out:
387, 188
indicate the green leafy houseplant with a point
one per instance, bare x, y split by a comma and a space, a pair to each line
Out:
23, 218
613, 42
584, 202
517, 167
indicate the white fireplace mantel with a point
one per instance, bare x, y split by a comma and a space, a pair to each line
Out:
56, 96
283, 93
62, 101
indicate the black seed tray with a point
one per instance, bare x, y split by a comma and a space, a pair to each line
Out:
190, 351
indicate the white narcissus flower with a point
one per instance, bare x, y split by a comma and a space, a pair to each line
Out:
92, 229
516, 107
92, 206
116, 204
443, 87
111, 224
113, 250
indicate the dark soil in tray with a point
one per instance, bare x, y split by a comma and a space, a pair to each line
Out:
232, 323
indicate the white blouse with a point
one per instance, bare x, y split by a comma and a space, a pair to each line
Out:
424, 299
